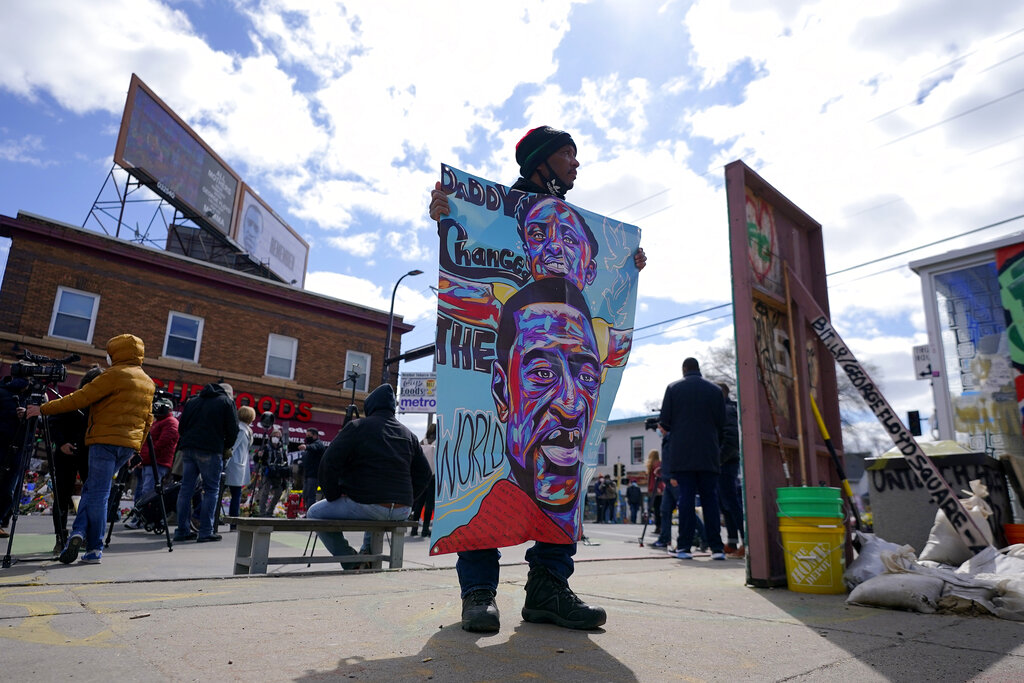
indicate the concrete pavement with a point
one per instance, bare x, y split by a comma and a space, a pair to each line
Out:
146, 614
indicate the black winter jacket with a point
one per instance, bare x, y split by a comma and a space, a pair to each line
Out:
209, 422
375, 459
311, 458
731, 437
693, 412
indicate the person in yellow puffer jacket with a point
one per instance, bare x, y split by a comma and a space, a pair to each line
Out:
120, 405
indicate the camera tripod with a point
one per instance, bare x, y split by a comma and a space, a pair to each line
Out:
28, 447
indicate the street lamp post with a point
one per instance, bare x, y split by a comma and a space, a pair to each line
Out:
385, 375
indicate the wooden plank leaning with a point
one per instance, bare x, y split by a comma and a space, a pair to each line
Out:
942, 494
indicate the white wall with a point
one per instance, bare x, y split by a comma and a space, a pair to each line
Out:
618, 434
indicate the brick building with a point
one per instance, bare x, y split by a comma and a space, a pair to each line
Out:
68, 290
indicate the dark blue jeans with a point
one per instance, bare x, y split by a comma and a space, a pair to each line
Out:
732, 505
668, 504
91, 521
479, 568
197, 464
706, 484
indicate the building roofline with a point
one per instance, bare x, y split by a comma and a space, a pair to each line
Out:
629, 420
178, 264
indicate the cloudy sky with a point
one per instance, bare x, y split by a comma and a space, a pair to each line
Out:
893, 124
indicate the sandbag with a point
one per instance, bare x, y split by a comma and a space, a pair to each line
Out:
906, 591
944, 543
868, 562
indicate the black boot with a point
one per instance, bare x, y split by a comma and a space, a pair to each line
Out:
550, 600
479, 613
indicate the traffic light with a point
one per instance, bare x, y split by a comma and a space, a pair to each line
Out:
914, 422
617, 470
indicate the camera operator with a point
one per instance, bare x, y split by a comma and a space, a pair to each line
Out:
71, 455
121, 411
12, 398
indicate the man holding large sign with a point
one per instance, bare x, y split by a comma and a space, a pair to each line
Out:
531, 336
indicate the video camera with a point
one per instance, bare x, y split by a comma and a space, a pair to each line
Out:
42, 370
651, 423
163, 402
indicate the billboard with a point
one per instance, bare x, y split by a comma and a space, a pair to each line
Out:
268, 239
162, 152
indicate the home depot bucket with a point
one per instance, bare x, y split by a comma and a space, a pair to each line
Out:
815, 553
809, 501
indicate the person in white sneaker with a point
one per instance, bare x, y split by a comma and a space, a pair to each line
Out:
693, 415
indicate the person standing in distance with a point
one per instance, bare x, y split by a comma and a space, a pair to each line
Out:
693, 417
208, 428
729, 479
547, 166
312, 450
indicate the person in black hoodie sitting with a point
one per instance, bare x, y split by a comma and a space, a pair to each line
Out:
372, 470
208, 427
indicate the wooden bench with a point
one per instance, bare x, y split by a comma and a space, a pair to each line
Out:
252, 549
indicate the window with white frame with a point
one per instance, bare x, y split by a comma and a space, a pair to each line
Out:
360, 372
184, 336
636, 446
281, 352
74, 314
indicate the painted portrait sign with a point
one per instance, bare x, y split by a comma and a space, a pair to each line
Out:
536, 300
762, 243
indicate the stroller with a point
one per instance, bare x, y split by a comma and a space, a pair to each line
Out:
150, 514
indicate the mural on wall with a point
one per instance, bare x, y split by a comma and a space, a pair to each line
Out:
536, 301
1010, 266
975, 306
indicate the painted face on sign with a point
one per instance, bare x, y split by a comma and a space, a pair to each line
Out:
557, 243
546, 392
252, 227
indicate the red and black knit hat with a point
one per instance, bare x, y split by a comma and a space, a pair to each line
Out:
537, 145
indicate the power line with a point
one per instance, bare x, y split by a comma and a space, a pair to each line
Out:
925, 246
828, 275
687, 315
683, 327
952, 118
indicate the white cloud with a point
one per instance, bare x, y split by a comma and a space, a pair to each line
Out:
362, 244
412, 304
27, 150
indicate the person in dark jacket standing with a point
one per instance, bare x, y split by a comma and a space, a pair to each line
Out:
312, 452
635, 497
728, 478
693, 415
547, 166
372, 470
208, 427
70, 456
